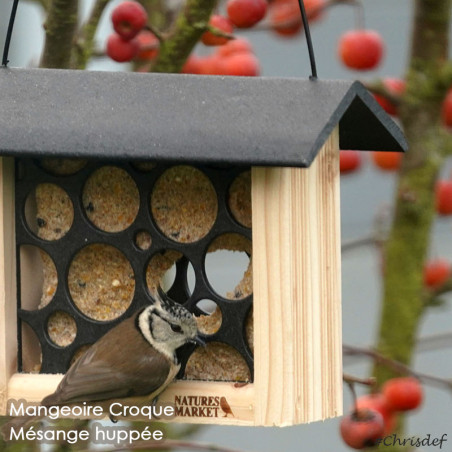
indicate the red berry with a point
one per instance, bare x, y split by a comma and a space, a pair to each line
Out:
212, 65
246, 13
242, 64
223, 24
361, 49
192, 65
403, 394
314, 9
349, 161
148, 45
377, 402
387, 161
437, 272
394, 86
285, 18
362, 428
234, 46
447, 109
121, 50
128, 19
285, 15
443, 195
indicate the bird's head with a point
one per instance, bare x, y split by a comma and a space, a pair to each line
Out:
167, 325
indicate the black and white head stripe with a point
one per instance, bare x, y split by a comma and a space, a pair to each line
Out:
170, 306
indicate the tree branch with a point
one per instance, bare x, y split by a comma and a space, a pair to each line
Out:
446, 137
359, 242
60, 29
432, 297
409, 238
188, 28
84, 43
350, 379
378, 87
396, 366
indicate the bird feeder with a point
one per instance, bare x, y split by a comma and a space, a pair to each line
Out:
109, 179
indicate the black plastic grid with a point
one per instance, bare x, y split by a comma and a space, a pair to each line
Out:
56, 359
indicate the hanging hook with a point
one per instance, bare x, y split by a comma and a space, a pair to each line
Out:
5, 60
308, 40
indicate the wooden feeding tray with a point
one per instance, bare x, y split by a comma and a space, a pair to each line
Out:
108, 180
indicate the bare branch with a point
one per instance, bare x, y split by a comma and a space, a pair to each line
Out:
446, 137
350, 379
433, 297
84, 43
60, 29
358, 242
188, 28
379, 88
397, 366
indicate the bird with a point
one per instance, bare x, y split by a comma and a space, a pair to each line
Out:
133, 362
224, 405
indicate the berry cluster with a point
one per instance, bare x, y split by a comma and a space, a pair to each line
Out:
350, 160
232, 56
131, 38
375, 415
236, 57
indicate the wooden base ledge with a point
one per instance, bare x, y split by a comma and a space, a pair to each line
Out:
199, 402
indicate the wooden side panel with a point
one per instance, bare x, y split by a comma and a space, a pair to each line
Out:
197, 402
297, 291
8, 304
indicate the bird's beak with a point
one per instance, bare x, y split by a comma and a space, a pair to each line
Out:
197, 340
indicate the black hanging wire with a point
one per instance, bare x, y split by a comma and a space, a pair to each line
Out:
308, 40
9, 33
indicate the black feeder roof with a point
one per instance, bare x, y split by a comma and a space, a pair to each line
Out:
186, 118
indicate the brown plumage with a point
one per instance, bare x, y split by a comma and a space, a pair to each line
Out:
101, 374
132, 363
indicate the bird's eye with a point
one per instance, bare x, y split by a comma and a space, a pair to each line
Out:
176, 328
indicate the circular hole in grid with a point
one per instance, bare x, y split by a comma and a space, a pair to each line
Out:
143, 240
111, 199
210, 321
63, 167
228, 266
31, 350
38, 277
79, 352
239, 199
184, 204
101, 282
61, 328
191, 278
217, 361
161, 270
49, 212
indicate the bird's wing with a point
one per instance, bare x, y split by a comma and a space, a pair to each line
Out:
100, 374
